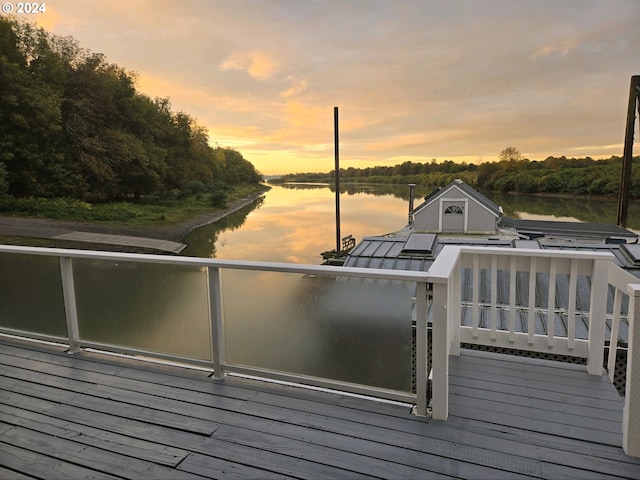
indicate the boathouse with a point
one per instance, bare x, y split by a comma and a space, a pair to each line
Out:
456, 208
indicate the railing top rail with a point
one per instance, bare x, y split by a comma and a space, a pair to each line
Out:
375, 273
620, 278
535, 252
449, 256
444, 264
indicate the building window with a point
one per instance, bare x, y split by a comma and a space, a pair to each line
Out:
453, 210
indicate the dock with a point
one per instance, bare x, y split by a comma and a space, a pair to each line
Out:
93, 415
154, 244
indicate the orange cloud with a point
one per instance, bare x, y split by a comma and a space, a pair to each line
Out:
298, 86
257, 64
47, 20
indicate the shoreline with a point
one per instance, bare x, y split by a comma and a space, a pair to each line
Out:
46, 228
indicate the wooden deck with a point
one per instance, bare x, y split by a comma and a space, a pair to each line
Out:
97, 416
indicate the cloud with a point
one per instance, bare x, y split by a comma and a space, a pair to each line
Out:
547, 50
296, 87
413, 79
259, 65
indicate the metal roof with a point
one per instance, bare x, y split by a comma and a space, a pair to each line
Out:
538, 228
389, 252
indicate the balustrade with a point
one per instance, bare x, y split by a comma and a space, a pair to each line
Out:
534, 300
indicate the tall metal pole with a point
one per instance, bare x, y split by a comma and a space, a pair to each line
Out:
337, 170
625, 181
411, 187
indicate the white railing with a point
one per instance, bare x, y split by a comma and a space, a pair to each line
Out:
625, 284
481, 267
219, 362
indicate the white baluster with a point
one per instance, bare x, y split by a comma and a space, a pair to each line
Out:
494, 295
531, 319
571, 320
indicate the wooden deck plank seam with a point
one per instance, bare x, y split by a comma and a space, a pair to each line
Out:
123, 370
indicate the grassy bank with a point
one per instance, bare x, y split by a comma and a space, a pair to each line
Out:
149, 211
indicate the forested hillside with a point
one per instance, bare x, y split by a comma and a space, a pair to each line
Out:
73, 125
513, 173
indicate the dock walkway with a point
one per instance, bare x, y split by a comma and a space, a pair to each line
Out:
66, 230
123, 240
101, 416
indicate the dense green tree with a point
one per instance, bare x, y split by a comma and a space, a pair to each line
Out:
579, 176
73, 125
510, 154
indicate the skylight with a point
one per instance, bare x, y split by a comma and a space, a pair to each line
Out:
420, 243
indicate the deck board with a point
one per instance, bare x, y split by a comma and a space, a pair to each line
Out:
86, 411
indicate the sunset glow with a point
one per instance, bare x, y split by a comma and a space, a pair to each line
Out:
414, 79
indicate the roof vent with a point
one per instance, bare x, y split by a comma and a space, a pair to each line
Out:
420, 243
519, 243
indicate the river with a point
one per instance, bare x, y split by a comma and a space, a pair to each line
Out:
296, 222
349, 330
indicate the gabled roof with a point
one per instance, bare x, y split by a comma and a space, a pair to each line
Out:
467, 191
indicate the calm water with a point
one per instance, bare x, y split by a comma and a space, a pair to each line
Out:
296, 222
279, 321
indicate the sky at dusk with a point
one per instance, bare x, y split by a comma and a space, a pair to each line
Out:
414, 80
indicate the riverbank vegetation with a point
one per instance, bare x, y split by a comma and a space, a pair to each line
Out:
78, 141
512, 173
150, 210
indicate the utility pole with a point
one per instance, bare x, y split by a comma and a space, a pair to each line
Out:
411, 187
337, 176
627, 157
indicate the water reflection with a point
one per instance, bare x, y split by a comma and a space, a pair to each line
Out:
296, 222
203, 241
378, 190
159, 308
31, 294
278, 321
579, 208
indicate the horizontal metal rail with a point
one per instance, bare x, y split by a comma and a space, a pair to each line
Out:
324, 270
218, 363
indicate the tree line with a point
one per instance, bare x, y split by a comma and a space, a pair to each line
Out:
511, 173
73, 125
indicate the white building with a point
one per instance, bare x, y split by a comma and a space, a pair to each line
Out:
456, 208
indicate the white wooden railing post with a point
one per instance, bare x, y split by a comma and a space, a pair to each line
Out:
70, 308
440, 352
445, 276
422, 358
613, 338
598, 307
631, 416
216, 322
454, 312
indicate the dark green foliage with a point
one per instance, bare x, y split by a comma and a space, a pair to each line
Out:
73, 126
218, 195
576, 176
4, 184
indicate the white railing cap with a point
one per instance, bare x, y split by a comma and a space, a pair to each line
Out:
449, 256
445, 262
374, 273
537, 252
